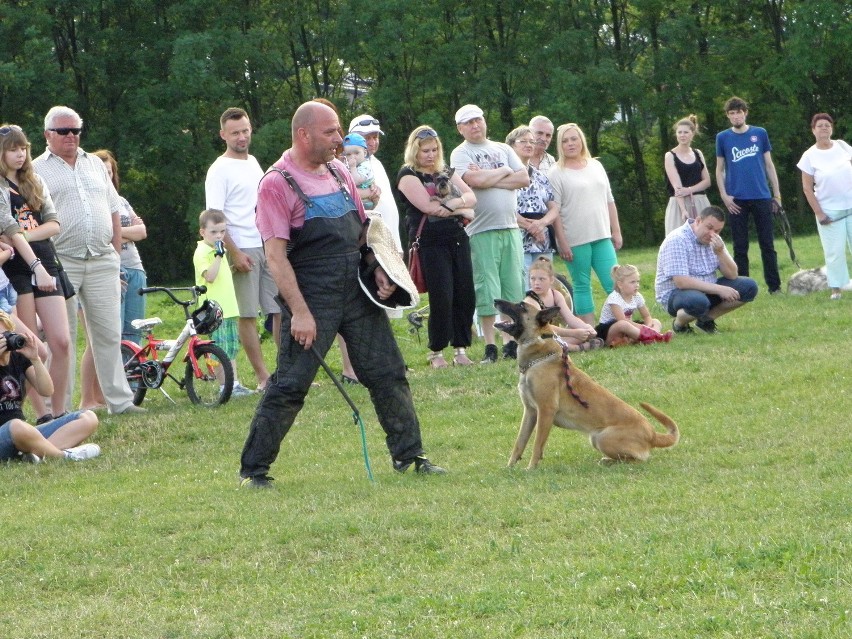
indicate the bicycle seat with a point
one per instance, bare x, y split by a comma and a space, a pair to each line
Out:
143, 324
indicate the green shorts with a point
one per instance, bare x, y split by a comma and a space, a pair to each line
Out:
227, 337
498, 268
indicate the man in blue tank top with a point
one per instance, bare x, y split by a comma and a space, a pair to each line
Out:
743, 166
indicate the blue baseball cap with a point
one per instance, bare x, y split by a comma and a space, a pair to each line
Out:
355, 139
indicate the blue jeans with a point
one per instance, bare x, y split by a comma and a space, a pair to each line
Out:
761, 211
7, 447
132, 304
697, 304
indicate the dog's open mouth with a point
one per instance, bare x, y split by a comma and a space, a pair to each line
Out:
506, 326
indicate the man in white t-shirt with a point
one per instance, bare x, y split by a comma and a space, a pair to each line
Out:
231, 187
494, 171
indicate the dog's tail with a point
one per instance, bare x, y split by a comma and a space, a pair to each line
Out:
669, 439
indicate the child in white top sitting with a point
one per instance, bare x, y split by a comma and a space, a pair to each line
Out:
616, 325
576, 335
360, 168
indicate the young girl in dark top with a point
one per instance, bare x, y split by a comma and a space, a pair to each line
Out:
33, 270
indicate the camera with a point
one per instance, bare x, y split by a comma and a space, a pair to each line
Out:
14, 341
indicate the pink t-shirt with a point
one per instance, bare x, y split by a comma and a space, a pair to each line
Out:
279, 208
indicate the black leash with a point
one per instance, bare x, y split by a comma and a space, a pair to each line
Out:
779, 212
356, 415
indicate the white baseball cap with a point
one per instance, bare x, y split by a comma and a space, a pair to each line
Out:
365, 123
468, 112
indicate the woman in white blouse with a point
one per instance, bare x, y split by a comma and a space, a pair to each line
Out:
827, 182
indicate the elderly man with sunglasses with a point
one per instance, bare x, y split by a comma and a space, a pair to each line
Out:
89, 244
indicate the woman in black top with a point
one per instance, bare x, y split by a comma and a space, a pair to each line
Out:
444, 245
687, 176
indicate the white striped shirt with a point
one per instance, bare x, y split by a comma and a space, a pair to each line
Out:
85, 201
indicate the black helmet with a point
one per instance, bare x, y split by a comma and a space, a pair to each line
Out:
207, 317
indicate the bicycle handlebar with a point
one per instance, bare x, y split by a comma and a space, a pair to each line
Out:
196, 290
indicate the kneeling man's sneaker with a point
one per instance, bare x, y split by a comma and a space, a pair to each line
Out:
82, 453
681, 329
706, 326
421, 465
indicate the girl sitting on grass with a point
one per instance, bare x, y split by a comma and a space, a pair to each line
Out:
616, 326
576, 334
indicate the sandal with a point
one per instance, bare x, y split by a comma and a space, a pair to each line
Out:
436, 359
592, 344
350, 381
461, 359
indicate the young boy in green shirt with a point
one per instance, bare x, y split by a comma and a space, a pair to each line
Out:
213, 271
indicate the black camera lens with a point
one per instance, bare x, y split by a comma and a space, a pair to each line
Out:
14, 341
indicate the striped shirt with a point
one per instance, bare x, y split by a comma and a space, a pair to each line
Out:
85, 201
682, 254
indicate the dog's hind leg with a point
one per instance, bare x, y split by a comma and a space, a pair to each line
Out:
617, 447
524, 432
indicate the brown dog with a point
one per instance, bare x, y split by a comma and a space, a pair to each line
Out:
554, 391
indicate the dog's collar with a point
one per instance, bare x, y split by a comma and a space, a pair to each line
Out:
525, 367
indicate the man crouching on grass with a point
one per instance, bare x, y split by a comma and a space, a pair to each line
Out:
20, 365
311, 218
687, 285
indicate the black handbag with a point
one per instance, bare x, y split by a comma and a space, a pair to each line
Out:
63, 281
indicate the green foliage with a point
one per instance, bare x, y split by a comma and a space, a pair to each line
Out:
741, 530
151, 78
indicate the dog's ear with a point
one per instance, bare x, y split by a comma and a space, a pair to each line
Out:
450, 172
547, 315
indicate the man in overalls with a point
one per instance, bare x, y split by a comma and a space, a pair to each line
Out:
311, 221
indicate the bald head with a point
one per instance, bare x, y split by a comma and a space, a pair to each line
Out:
308, 114
316, 133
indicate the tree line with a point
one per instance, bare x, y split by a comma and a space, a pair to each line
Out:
151, 77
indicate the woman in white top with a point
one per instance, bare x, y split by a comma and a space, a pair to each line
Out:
827, 182
687, 176
588, 215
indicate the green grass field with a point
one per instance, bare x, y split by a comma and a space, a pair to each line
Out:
741, 531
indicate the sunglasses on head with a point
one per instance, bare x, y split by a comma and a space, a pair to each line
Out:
6, 130
367, 122
63, 131
426, 133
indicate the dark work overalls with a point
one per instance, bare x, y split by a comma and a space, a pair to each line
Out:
324, 255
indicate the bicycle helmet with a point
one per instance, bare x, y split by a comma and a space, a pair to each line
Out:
207, 317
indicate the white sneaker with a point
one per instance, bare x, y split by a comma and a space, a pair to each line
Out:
241, 391
81, 453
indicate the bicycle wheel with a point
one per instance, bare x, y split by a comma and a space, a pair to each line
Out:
215, 380
133, 374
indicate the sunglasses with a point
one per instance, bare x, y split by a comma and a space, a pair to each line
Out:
426, 133
6, 130
367, 123
63, 131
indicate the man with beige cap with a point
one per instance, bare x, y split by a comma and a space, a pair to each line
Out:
494, 172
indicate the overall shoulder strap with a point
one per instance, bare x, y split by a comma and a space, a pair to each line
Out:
291, 181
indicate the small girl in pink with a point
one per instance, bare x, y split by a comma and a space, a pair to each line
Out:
576, 335
616, 325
